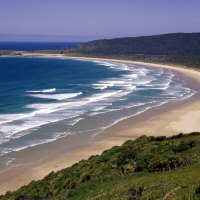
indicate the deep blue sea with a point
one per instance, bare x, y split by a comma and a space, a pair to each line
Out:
29, 46
43, 99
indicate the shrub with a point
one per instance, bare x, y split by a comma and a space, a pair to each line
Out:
184, 146
194, 133
85, 177
180, 135
128, 168
197, 190
134, 193
127, 154
160, 138
167, 163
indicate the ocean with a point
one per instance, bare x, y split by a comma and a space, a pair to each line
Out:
43, 99
31, 46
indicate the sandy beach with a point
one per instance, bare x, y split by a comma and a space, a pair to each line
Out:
167, 119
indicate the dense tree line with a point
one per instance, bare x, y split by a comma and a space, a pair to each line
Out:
167, 44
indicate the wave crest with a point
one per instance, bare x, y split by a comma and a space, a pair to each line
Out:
43, 91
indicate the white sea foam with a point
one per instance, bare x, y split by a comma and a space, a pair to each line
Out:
10, 160
135, 76
131, 76
56, 96
74, 121
103, 63
49, 113
98, 108
130, 87
43, 91
108, 83
155, 87
13, 131
39, 142
102, 86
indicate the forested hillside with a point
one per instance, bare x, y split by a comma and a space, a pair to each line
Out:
167, 44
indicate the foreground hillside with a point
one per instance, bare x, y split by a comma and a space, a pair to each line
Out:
147, 168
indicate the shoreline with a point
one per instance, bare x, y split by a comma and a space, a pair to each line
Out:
166, 120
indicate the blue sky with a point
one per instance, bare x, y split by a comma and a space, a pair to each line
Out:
93, 19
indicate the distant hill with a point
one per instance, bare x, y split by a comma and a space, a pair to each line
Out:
146, 168
167, 44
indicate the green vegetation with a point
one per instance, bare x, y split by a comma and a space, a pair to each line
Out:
146, 168
175, 49
167, 44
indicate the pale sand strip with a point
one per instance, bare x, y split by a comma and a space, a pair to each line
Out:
158, 121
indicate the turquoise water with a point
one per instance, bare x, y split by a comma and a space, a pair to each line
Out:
43, 99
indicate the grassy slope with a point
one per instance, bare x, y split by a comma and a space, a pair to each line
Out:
147, 168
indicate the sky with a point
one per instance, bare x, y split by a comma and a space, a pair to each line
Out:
82, 20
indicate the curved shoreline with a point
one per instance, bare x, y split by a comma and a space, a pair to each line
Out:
162, 120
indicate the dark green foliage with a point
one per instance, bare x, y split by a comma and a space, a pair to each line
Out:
194, 133
167, 44
133, 165
160, 138
180, 135
179, 49
134, 193
197, 190
84, 177
166, 163
184, 146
